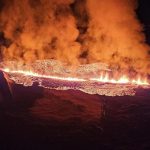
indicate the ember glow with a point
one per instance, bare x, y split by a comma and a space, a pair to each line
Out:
102, 79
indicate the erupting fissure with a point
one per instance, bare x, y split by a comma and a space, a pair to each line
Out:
103, 78
94, 78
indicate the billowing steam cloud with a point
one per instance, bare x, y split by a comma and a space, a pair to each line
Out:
74, 31
40, 29
115, 35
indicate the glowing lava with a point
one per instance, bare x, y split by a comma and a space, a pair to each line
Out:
122, 80
102, 79
33, 74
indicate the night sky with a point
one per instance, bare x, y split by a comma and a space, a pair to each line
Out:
144, 15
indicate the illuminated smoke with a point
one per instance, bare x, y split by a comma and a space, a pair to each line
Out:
39, 30
73, 31
115, 35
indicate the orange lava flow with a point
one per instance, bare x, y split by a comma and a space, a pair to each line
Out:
33, 74
102, 79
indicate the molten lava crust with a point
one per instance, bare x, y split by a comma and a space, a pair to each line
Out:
52, 74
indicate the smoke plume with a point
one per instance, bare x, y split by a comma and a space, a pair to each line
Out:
73, 31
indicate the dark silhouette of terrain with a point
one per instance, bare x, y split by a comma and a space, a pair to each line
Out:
36, 118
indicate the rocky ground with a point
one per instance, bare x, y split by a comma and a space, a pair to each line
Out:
37, 118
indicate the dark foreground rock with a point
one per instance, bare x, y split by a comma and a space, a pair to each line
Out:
37, 118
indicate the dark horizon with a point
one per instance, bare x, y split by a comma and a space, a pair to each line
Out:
143, 13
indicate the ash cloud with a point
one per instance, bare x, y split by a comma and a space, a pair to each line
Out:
74, 31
